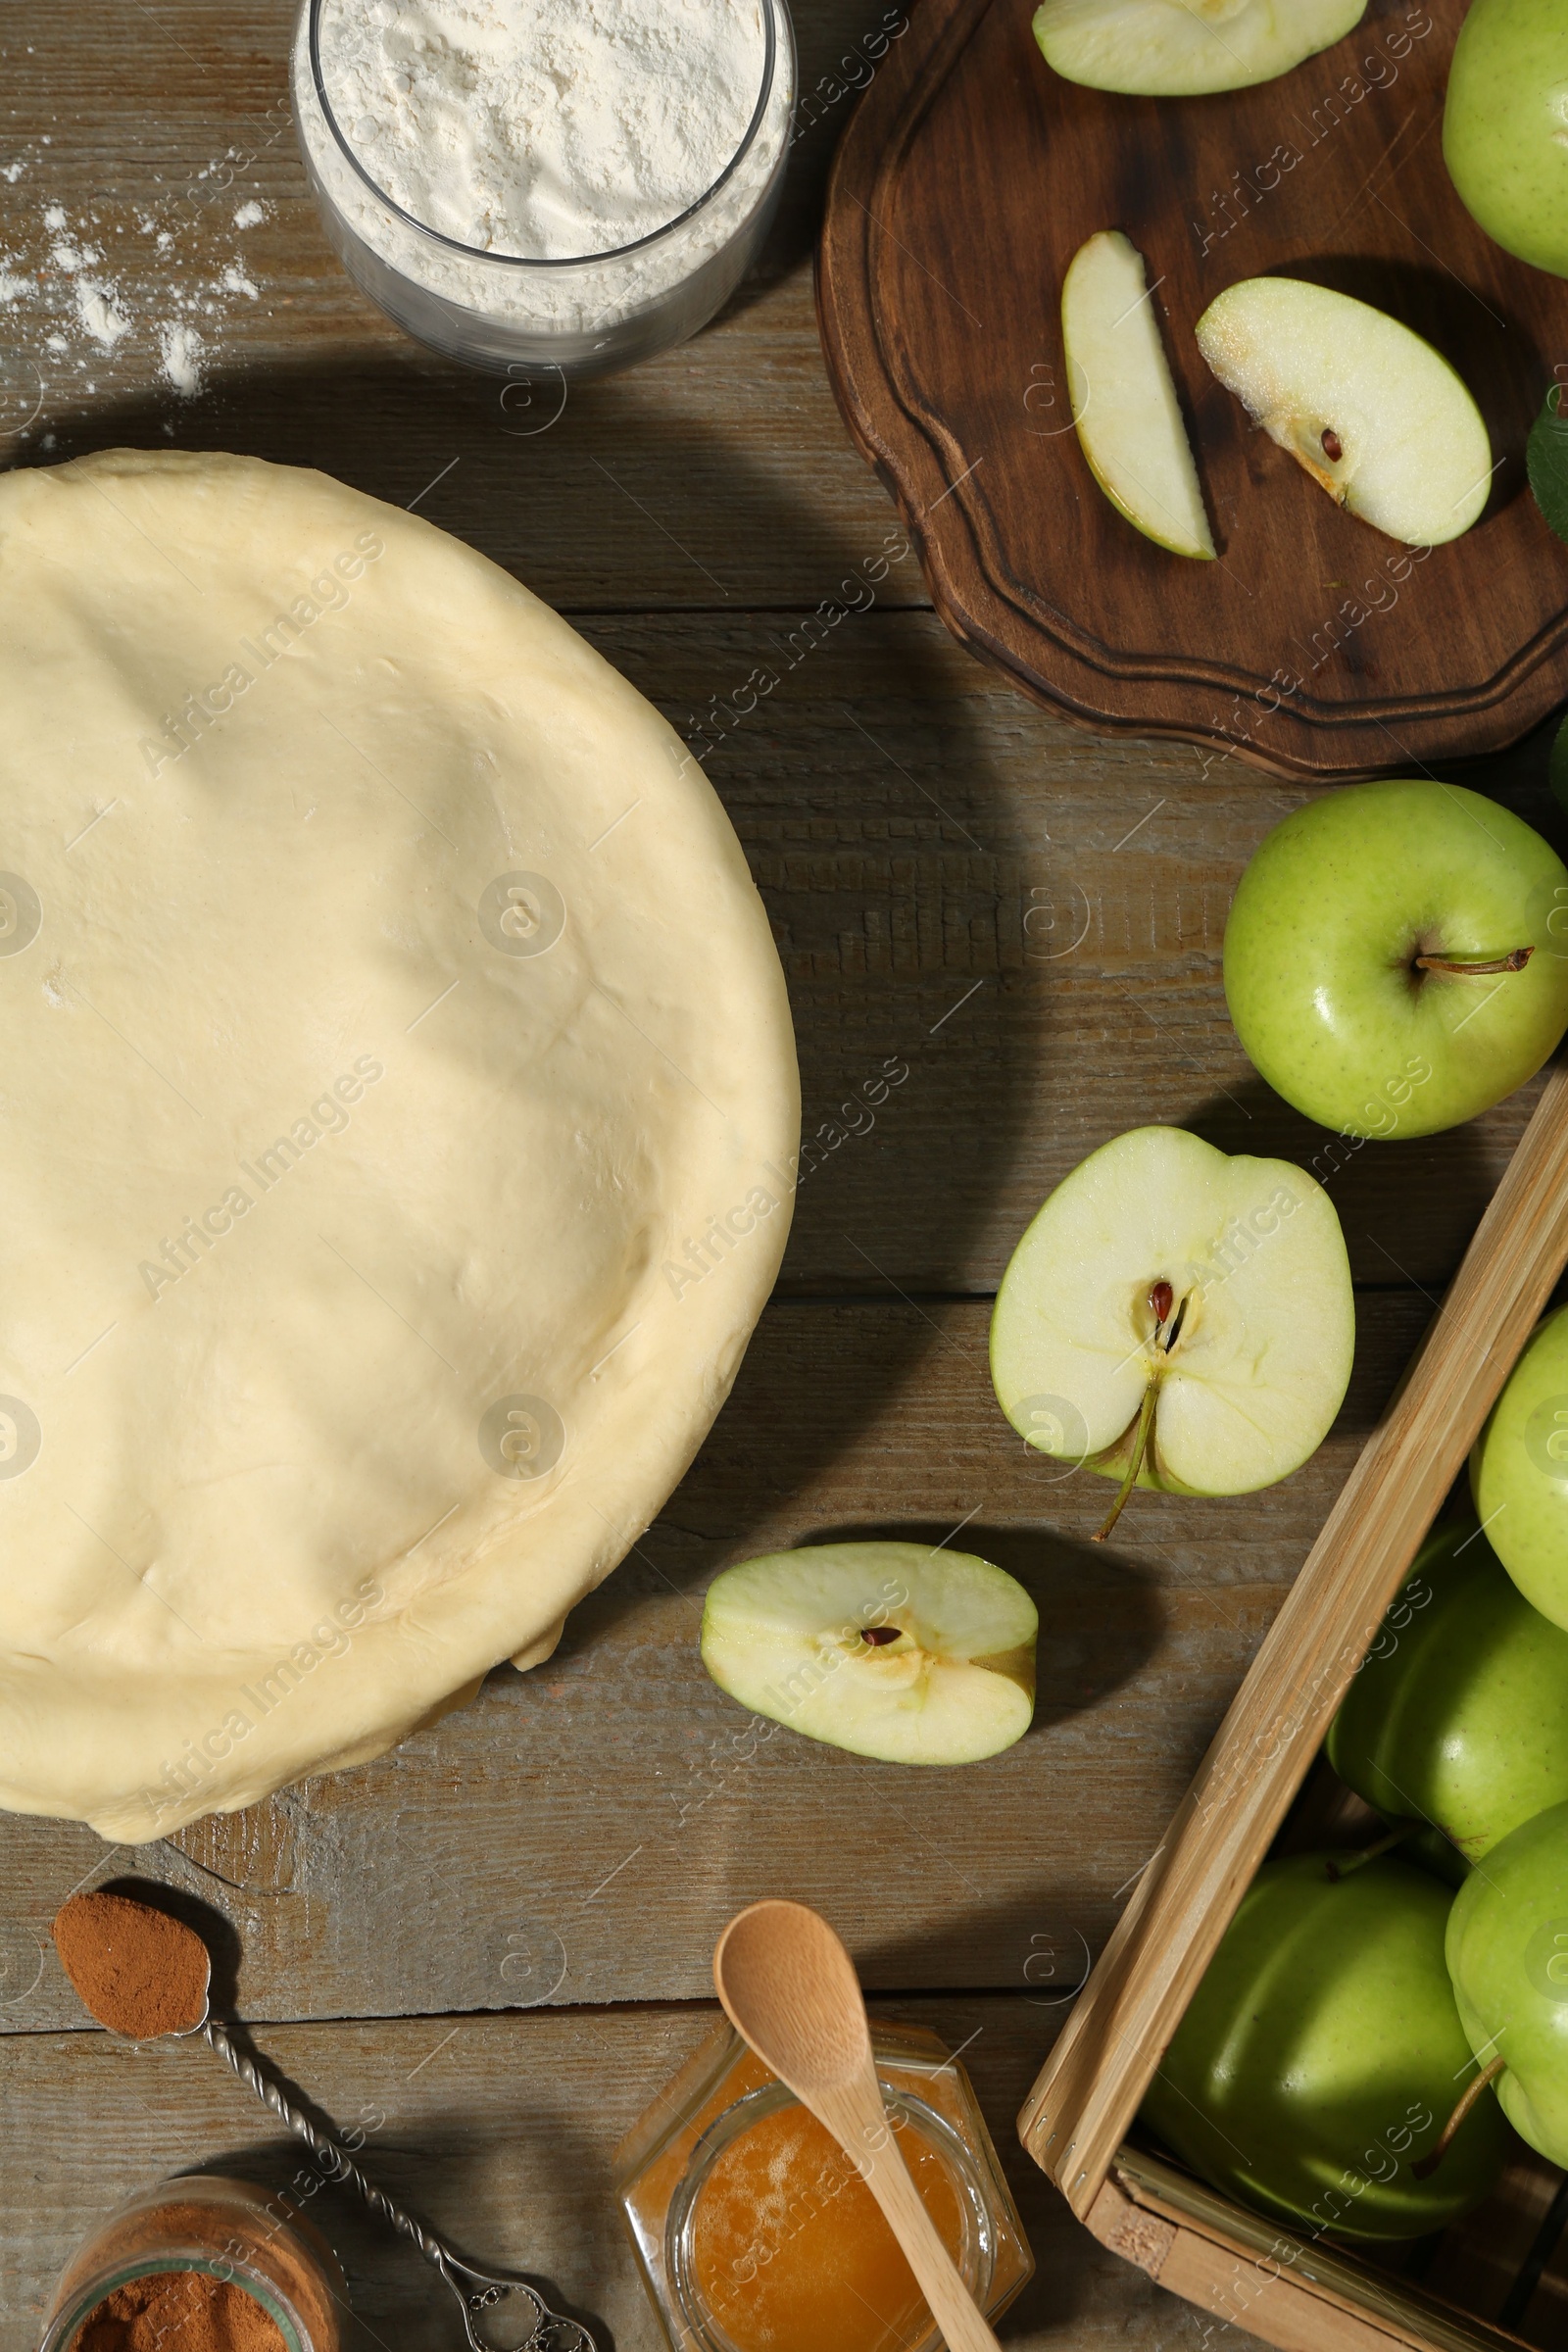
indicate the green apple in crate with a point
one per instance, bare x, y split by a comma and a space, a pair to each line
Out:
1505, 127
1519, 1470
1507, 1949
1315, 2064
1177, 1318
1397, 957
1186, 48
904, 1651
1124, 403
1376, 416
1458, 1715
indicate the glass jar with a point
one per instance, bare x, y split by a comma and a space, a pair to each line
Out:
754, 2231
550, 320
230, 2230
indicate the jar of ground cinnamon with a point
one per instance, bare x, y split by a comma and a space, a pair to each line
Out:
204, 2264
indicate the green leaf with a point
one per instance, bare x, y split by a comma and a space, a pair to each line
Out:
1548, 459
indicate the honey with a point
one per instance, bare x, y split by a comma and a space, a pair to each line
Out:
754, 2233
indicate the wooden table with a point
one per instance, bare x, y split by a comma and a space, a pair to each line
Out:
1026, 916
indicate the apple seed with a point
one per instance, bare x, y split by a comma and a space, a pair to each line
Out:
1333, 446
880, 1634
1161, 1299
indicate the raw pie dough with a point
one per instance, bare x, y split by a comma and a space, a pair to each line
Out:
397, 1114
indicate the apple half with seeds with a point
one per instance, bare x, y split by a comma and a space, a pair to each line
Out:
904, 1652
1377, 417
1124, 403
1177, 1318
1186, 48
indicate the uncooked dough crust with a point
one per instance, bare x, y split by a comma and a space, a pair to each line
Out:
398, 1106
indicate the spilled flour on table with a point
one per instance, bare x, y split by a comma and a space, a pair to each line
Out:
84, 285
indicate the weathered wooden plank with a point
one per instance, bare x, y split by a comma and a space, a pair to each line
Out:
719, 474
499, 2129
919, 831
581, 1833
1027, 917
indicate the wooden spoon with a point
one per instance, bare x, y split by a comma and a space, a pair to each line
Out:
789, 1988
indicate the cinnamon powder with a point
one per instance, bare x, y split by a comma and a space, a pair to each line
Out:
179, 2311
138, 1971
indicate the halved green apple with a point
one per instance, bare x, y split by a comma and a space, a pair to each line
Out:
1186, 48
1123, 401
1378, 419
904, 1653
1177, 1318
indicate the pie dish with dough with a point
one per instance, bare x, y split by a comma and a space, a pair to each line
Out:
398, 1116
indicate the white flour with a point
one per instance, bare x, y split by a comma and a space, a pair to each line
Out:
145, 292
545, 129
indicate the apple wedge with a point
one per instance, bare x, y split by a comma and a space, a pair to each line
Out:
1376, 416
1123, 401
1177, 1318
1186, 48
901, 1651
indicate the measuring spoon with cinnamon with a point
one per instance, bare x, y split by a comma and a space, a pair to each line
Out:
144, 1974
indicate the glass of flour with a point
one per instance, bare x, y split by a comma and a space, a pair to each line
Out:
546, 185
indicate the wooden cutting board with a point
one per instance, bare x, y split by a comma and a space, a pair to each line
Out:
969, 177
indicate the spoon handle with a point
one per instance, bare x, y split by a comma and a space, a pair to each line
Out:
868, 2137
484, 2292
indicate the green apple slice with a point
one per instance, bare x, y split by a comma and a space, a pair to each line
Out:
1177, 1318
1377, 417
1186, 48
1123, 401
893, 1651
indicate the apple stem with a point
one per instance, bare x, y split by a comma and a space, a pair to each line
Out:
1146, 1422
1514, 961
1336, 1868
1473, 2090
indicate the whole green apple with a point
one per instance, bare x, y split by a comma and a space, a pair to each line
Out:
1429, 1850
1397, 957
1458, 1715
1505, 127
1507, 1949
1316, 2062
1519, 1470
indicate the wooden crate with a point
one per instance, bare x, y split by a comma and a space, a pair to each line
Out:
1491, 2281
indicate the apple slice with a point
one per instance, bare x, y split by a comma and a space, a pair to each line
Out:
1177, 1318
894, 1650
1377, 417
1123, 400
1186, 48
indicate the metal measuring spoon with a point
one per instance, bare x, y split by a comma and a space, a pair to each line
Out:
504, 2304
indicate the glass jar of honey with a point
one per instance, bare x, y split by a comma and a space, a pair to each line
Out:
754, 2233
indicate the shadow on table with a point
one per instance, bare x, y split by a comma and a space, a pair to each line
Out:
394, 2300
